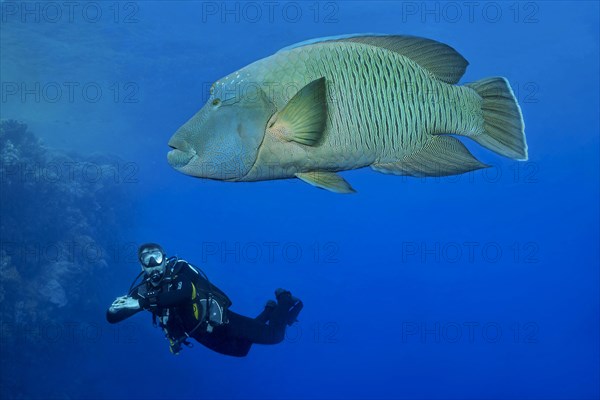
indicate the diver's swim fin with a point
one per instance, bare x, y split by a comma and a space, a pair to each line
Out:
293, 313
294, 304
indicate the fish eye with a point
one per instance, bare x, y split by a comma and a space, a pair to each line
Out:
216, 102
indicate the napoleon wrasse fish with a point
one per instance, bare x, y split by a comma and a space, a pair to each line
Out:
340, 103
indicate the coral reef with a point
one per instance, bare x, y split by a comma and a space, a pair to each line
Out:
60, 214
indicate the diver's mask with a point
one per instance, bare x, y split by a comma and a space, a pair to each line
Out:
153, 263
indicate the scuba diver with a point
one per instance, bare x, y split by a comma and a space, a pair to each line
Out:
186, 305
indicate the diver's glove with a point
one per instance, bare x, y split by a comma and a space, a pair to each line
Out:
125, 302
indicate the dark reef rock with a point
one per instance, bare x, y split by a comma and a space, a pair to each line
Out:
60, 217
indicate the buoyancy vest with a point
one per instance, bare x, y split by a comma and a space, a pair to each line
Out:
206, 309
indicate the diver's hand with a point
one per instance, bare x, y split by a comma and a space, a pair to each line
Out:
125, 302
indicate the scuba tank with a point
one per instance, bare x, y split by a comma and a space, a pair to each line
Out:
209, 304
214, 303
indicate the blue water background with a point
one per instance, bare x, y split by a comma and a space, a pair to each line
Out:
389, 286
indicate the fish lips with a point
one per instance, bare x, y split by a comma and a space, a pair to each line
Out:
180, 155
179, 159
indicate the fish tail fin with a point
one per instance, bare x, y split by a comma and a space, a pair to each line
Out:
504, 129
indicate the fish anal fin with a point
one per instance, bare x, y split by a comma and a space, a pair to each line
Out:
441, 156
303, 118
326, 180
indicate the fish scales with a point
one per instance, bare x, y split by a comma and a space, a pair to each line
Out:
381, 105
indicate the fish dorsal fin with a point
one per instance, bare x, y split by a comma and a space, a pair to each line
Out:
441, 60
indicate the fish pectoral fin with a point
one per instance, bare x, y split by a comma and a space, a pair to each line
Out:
303, 118
326, 180
441, 156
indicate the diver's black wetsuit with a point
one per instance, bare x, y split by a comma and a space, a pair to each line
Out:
233, 338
